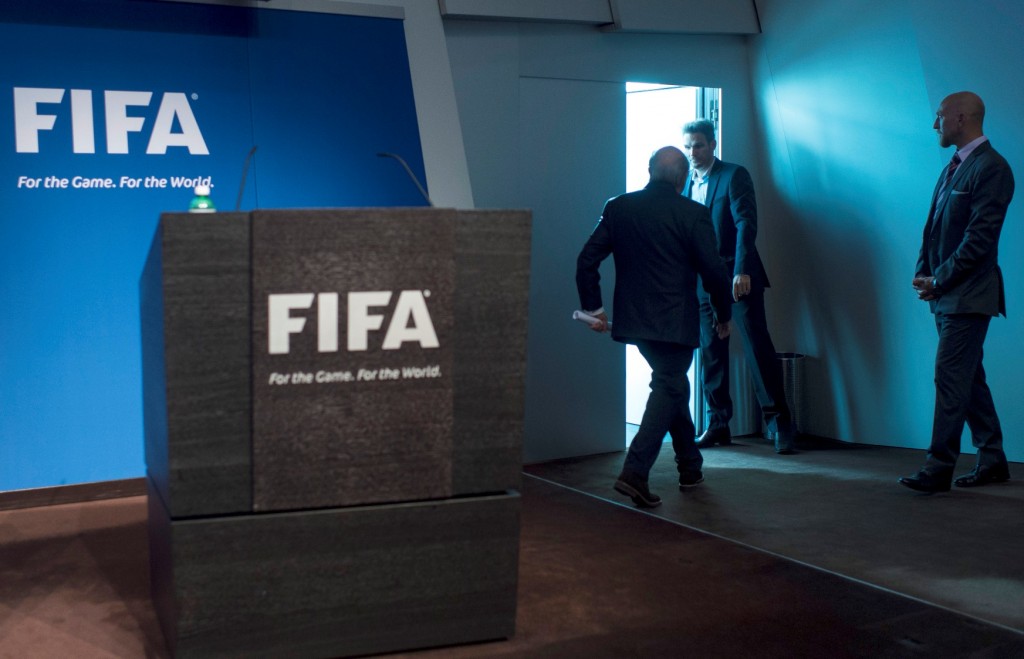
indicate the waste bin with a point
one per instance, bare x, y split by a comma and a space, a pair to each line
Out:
792, 383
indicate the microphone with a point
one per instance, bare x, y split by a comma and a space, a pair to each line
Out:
409, 172
245, 171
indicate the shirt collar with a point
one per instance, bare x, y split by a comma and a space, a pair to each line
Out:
970, 147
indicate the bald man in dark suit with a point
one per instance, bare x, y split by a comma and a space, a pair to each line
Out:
660, 242
958, 275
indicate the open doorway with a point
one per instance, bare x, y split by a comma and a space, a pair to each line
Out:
655, 115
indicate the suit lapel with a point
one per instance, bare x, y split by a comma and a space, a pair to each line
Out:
713, 178
961, 172
935, 198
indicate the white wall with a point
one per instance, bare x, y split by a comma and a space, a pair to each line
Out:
831, 107
846, 99
543, 118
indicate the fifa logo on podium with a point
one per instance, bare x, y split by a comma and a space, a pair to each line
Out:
410, 320
31, 118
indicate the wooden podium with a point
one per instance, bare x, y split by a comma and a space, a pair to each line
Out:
333, 419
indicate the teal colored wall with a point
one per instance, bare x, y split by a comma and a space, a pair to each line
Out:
846, 95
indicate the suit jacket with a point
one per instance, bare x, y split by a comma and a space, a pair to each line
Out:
733, 209
961, 237
660, 242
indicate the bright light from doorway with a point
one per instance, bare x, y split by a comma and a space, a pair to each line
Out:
655, 115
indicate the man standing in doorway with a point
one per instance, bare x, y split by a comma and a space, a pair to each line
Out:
728, 192
660, 242
958, 275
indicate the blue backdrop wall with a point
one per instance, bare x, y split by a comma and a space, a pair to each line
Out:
114, 110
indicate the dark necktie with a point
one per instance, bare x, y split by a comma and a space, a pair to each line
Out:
953, 164
950, 170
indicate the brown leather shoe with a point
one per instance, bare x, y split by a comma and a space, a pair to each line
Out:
636, 490
714, 436
979, 476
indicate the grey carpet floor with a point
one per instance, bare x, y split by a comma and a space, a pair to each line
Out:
819, 554
838, 507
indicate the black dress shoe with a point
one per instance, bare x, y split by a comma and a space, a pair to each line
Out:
784, 443
636, 490
688, 479
922, 481
979, 476
714, 436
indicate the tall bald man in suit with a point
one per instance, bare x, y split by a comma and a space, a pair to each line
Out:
728, 192
958, 275
660, 242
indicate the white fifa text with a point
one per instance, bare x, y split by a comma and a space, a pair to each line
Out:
33, 116
410, 320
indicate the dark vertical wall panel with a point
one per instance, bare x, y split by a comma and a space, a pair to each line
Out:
199, 451
492, 252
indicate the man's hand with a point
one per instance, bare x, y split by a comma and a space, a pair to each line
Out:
925, 290
602, 325
723, 329
740, 286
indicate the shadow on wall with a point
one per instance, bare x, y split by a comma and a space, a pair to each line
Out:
828, 275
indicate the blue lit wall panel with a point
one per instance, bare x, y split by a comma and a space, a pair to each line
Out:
319, 94
303, 117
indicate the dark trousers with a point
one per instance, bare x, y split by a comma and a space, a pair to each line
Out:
667, 411
962, 395
749, 320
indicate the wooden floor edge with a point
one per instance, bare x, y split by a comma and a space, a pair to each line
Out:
80, 493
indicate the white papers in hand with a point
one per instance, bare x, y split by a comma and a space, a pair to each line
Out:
584, 317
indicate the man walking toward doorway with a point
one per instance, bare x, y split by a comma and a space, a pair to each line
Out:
660, 242
728, 192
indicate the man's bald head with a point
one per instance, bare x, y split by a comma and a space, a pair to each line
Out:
669, 164
959, 119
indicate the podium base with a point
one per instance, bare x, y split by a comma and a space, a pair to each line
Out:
337, 582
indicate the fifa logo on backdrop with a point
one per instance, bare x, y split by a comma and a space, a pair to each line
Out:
36, 109
410, 320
